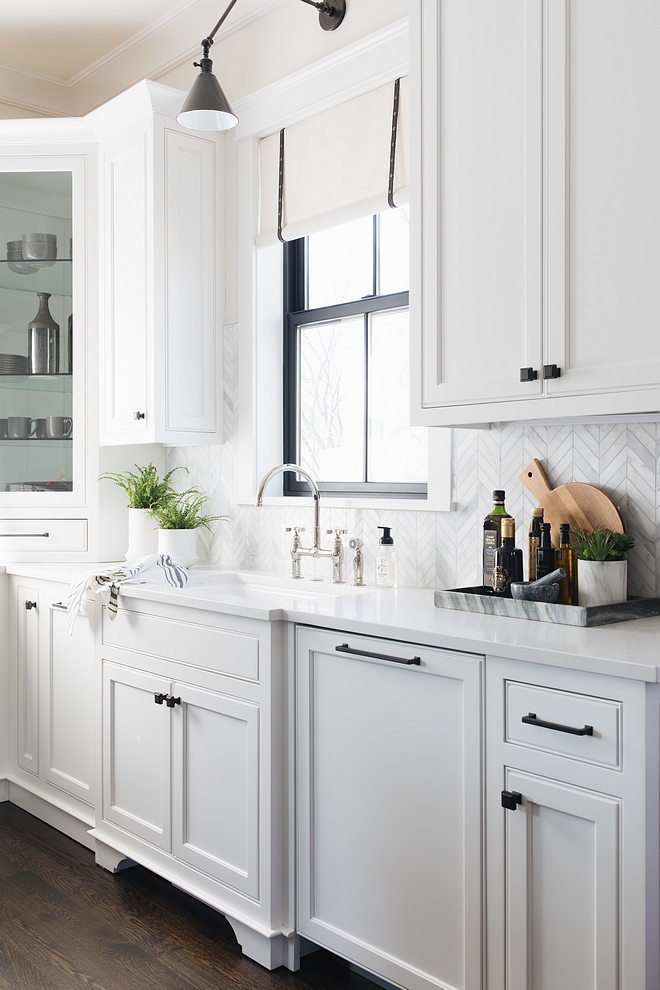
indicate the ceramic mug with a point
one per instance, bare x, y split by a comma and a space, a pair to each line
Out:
58, 427
4, 431
20, 427
40, 429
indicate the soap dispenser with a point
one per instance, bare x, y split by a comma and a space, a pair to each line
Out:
386, 560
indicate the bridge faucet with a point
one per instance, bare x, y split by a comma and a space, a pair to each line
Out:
316, 550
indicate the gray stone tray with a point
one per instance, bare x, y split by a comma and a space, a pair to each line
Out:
482, 600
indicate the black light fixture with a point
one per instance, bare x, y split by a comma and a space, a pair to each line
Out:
206, 107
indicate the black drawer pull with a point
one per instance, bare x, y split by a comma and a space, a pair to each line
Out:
511, 800
531, 719
345, 648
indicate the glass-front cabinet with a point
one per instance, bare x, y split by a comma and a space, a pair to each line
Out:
37, 353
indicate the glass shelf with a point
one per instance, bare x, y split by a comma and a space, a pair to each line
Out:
37, 441
38, 383
55, 279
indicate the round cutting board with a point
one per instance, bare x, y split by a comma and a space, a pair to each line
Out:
581, 506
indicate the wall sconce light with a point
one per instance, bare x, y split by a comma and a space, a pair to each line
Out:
206, 107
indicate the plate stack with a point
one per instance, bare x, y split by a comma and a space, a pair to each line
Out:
13, 364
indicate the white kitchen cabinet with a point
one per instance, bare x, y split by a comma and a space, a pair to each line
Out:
572, 872
192, 761
161, 238
52, 701
534, 232
389, 807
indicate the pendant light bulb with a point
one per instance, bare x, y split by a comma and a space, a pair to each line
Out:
206, 107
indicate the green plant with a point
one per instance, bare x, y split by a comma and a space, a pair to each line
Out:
145, 489
184, 512
602, 544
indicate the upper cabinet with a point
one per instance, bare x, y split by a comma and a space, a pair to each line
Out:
161, 272
535, 210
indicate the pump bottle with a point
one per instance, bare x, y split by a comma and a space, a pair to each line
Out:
386, 560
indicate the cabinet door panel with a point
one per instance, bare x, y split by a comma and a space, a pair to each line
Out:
562, 866
603, 194
125, 309
69, 715
481, 209
388, 787
191, 266
136, 753
216, 786
27, 723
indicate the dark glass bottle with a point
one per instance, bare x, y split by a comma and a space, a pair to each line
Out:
546, 554
493, 535
566, 558
508, 565
534, 542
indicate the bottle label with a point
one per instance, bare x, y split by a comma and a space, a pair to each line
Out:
491, 543
501, 579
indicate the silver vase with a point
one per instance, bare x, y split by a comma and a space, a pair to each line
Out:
43, 341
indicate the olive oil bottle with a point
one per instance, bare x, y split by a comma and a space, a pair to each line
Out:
566, 558
508, 565
546, 553
493, 535
534, 542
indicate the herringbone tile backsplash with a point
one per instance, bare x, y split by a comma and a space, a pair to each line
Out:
442, 549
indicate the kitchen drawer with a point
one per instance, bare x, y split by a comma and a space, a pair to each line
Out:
566, 711
43, 534
209, 647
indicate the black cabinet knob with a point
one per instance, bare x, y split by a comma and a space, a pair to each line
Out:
159, 698
139, 415
511, 800
528, 375
171, 702
30, 605
551, 371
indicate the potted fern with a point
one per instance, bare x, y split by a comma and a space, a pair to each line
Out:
602, 566
147, 492
179, 520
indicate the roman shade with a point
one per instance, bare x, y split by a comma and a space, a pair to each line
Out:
336, 166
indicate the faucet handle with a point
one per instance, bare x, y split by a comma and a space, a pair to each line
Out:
338, 532
295, 529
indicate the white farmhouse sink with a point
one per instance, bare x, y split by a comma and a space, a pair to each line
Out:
261, 584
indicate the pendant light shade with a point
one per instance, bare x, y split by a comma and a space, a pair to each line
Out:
206, 107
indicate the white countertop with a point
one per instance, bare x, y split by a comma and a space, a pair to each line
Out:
625, 649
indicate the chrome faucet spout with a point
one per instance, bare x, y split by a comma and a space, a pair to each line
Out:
267, 478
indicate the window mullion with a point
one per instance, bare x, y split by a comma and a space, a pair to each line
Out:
365, 470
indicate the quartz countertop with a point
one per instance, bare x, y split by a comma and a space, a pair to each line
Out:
625, 649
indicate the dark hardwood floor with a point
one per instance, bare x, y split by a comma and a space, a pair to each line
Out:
66, 923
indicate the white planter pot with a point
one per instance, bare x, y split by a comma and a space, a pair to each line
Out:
180, 544
602, 582
142, 534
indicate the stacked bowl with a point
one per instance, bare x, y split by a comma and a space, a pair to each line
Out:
15, 259
40, 249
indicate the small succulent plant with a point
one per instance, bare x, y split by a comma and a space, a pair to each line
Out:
602, 544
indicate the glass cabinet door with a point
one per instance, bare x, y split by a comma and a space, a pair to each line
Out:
36, 332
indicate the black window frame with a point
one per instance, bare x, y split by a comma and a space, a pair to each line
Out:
295, 316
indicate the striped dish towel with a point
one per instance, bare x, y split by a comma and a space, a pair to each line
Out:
158, 568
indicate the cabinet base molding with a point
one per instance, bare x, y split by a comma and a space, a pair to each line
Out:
110, 859
58, 818
271, 953
4, 790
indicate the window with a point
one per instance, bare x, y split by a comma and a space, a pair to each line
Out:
346, 361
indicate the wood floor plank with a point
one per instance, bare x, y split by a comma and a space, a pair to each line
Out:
66, 924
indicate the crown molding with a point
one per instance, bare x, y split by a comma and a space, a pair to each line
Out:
352, 71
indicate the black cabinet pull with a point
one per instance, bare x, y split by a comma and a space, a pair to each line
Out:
511, 800
345, 648
528, 374
531, 719
30, 605
171, 702
159, 698
551, 371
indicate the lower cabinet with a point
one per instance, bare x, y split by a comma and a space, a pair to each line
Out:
388, 785
52, 709
572, 812
181, 770
192, 743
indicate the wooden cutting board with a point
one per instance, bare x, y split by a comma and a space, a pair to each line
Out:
581, 506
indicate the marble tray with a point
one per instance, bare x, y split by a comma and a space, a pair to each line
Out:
482, 600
